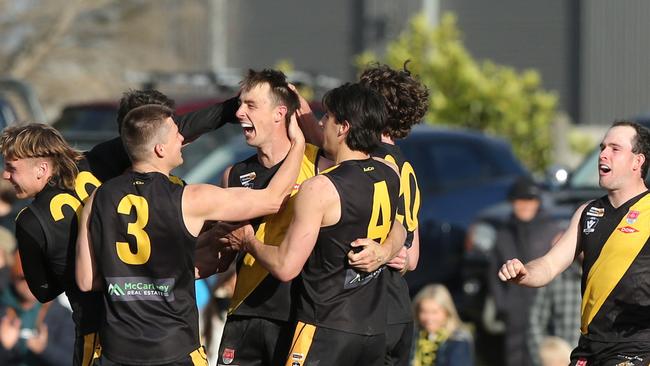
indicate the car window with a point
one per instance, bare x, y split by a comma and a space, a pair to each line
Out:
452, 162
91, 119
586, 174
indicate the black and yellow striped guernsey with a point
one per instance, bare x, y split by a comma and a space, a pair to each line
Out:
399, 302
256, 293
145, 255
616, 270
332, 294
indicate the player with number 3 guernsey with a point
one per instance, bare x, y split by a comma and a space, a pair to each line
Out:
137, 239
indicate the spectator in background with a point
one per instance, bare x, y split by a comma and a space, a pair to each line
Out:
7, 201
7, 248
528, 234
31, 333
214, 316
554, 351
440, 339
556, 312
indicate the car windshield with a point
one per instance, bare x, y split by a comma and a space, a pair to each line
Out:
89, 119
446, 162
586, 174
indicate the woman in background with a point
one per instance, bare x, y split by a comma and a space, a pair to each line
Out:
440, 339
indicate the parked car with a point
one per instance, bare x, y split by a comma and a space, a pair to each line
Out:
459, 173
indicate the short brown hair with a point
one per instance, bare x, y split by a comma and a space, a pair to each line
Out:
142, 128
37, 140
407, 99
280, 92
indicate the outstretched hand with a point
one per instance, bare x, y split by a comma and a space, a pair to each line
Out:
513, 271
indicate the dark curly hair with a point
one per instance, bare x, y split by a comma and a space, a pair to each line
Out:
407, 99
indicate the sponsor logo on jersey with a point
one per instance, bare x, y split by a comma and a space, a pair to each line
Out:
581, 362
247, 179
140, 288
628, 230
596, 212
115, 290
632, 216
228, 355
590, 225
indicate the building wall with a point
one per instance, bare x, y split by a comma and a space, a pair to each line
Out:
615, 68
525, 34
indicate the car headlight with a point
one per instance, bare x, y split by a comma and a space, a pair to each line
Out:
481, 237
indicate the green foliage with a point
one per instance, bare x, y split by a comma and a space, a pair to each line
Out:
465, 93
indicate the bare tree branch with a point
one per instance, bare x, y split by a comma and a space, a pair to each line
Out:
34, 53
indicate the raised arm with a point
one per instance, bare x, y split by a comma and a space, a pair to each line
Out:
308, 122
194, 124
543, 270
208, 202
86, 267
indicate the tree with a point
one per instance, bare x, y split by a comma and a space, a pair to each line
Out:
465, 93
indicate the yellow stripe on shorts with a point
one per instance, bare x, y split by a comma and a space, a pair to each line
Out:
303, 337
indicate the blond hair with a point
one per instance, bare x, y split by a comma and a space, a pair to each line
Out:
554, 351
440, 295
36, 140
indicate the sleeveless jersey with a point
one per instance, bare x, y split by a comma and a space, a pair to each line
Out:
256, 293
53, 214
616, 270
146, 257
332, 294
399, 300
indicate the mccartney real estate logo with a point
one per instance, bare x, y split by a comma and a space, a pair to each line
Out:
140, 288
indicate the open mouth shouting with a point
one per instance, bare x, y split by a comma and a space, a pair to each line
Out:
604, 169
248, 128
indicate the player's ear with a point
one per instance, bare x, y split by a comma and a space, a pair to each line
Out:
42, 168
280, 113
159, 150
344, 128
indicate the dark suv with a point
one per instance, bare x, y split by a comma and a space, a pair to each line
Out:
459, 173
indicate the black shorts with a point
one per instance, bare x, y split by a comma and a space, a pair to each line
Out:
312, 346
254, 341
195, 358
592, 353
399, 338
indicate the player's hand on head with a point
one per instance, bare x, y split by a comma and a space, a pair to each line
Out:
513, 271
304, 105
366, 255
294, 132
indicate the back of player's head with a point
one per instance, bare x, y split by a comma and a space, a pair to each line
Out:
280, 93
37, 140
144, 127
640, 143
137, 98
363, 109
407, 99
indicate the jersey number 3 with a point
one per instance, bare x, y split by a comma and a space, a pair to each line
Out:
142, 242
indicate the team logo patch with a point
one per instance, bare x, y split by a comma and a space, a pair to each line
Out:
628, 230
296, 187
581, 362
297, 359
590, 225
632, 216
247, 179
228, 355
596, 212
